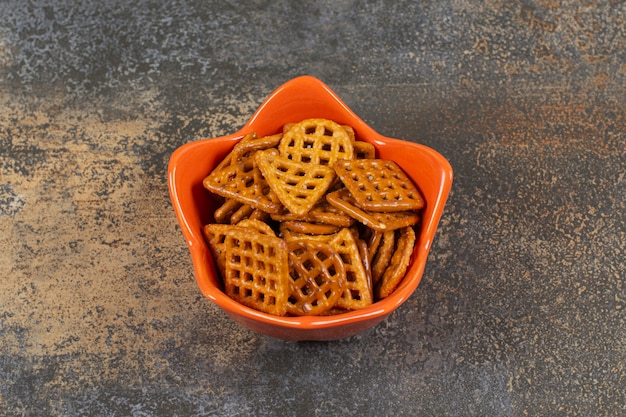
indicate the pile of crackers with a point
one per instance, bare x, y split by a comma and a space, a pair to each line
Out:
310, 222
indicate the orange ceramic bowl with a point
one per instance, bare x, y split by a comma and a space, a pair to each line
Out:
301, 98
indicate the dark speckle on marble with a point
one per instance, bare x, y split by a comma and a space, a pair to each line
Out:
522, 307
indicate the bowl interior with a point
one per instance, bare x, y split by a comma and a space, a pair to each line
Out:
298, 99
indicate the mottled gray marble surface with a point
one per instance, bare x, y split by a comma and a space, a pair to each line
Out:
522, 308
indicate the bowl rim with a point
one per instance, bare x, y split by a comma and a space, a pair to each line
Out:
199, 249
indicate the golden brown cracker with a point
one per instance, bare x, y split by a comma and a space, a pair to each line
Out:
379, 185
316, 141
317, 277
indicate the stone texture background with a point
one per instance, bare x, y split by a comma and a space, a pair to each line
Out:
522, 308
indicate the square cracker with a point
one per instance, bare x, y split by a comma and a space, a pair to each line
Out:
379, 185
254, 266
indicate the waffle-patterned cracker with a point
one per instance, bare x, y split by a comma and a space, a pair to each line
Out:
379, 185
254, 266
317, 277
357, 292
298, 185
316, 141
241, 180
